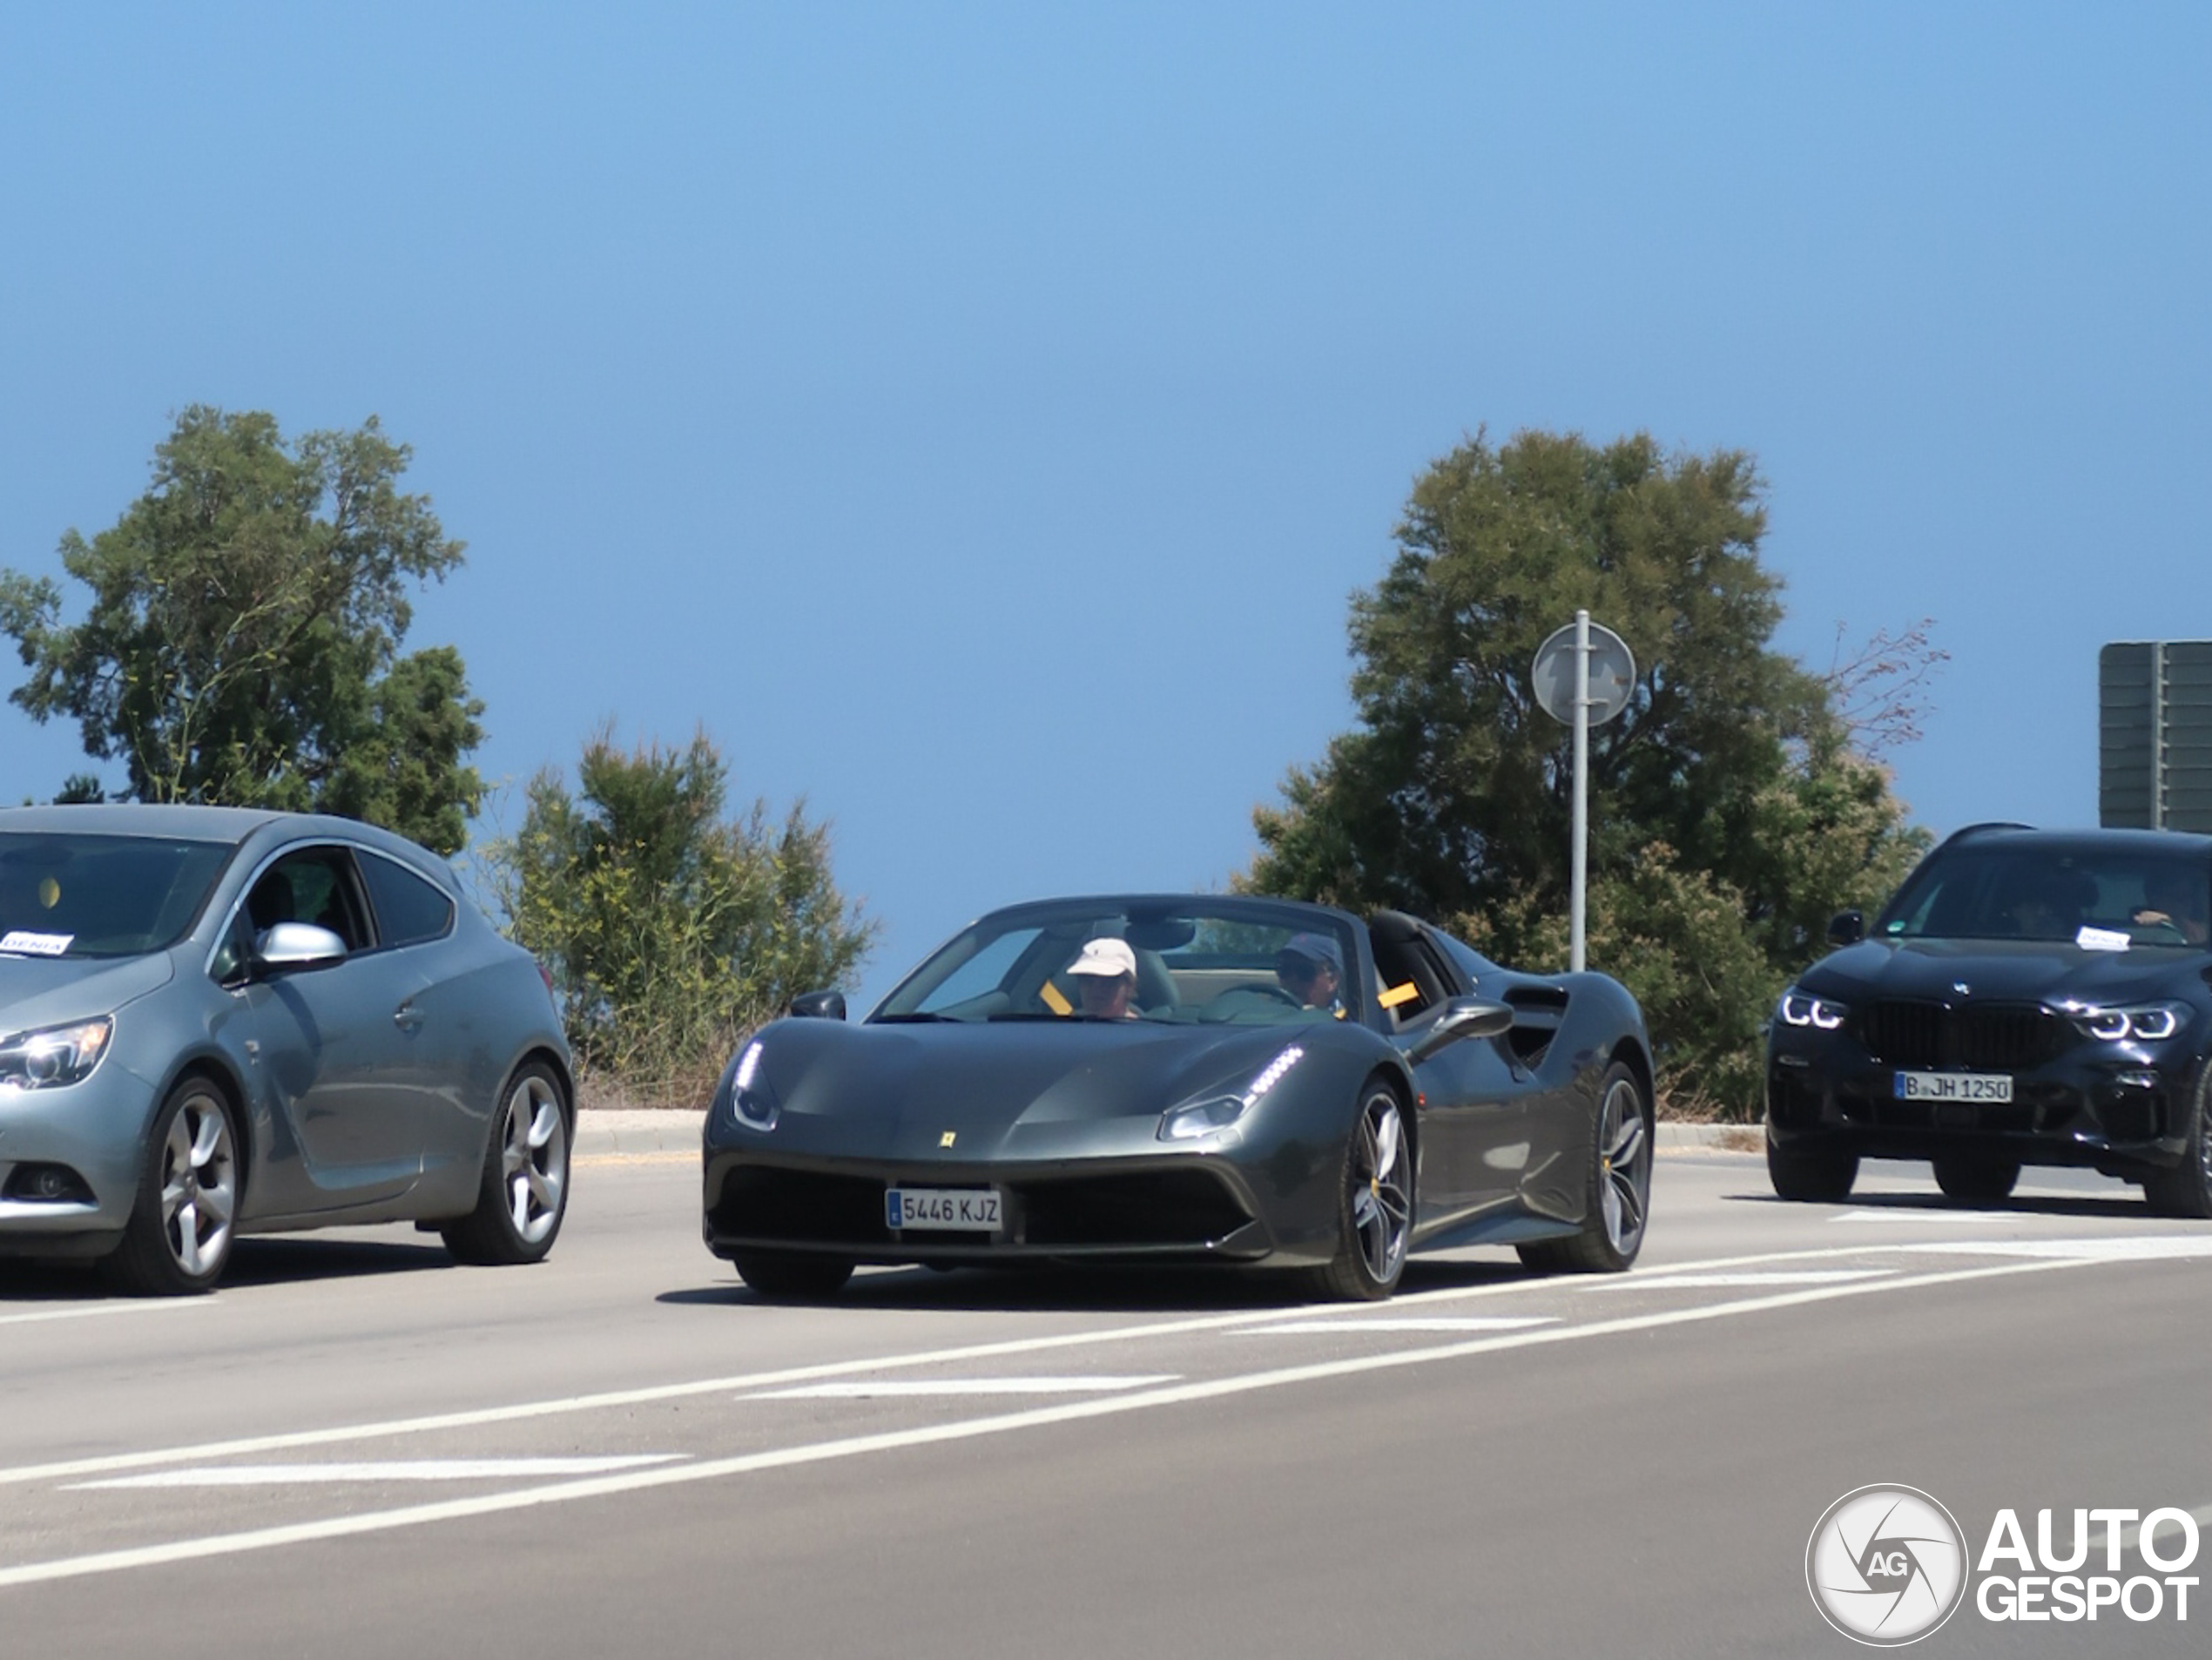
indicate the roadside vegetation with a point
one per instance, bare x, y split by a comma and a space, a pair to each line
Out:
670, 928
240, 641
1735, 805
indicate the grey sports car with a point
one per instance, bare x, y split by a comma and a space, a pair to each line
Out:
1211, 1079
216, 1022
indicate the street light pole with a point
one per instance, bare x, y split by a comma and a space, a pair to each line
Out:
1581, 858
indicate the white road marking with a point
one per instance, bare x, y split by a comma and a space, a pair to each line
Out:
1783, 1277
396, 1469
1035, 1417
2171, 1248
431, 1423
868, 1389
1920, 1213
92, 1310
1394, 1323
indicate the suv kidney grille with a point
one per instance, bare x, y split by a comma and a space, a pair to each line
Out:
2001, 1037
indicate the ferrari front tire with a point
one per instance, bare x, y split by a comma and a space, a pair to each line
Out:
1374, 1203
1619, 1195
774, 1274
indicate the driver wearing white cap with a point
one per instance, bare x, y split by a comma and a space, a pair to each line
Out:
1105, 975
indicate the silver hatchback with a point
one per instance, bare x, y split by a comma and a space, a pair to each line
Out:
216, 1022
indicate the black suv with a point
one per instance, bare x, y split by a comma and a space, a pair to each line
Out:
2028, 997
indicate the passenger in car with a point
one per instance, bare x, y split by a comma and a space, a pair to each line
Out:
1105, 976
1311, 969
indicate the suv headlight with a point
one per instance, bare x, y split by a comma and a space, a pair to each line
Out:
2146, 1022
1197, 1118
1803, 1009
54, 1057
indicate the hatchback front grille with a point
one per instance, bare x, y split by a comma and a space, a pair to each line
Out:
1998, 1037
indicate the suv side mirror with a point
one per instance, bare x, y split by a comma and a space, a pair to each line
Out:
1462, 1017
1846, 927
290, 946
819, 1005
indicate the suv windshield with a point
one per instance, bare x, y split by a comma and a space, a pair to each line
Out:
1192, 964
2102, 898
100, 896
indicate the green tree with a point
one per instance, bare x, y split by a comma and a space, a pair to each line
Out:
669, 928
1729, 815
242, 641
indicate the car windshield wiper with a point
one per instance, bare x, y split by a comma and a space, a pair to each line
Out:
917, 1017
1030, 1014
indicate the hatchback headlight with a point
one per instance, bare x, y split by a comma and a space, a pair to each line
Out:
2146, 1022
1803, 1009
56, 1056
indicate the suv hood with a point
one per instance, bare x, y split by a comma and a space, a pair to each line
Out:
2005, 971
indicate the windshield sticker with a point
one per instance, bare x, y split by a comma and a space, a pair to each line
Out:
2100, 939
1402, 992
24, 942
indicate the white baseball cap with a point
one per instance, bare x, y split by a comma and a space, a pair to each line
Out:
1110, 959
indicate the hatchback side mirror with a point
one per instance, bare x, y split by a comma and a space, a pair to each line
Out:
819, 1005
292, 946
1846, 927
1462, 1017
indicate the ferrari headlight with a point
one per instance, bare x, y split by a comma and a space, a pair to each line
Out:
1803, 1009
1197, 1118
752, 1103
2146, 1022
54, 1057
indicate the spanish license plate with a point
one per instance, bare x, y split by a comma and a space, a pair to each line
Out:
961, 1210
1954, 1086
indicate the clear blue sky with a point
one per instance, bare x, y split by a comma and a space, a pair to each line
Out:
976, 416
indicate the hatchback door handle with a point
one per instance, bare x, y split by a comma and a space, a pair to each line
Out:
407, 1017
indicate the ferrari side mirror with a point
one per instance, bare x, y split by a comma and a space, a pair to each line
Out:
819, 1005
1461, 1017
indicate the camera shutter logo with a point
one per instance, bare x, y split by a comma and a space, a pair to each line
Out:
1886, 1565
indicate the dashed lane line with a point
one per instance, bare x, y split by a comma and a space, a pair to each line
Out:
258, 1539
392, 1469
93, 1311
923, 1388
1716, 1282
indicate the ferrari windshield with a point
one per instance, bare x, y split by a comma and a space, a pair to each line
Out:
1192, 963
100, 896
2087, 895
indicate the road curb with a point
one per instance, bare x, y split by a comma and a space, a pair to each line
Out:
603, 1132
1708, 1139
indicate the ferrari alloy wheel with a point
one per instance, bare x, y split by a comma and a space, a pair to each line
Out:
1813, 1174
2186, 1189
1618, 1203
778, 1274
524, 1190
1375, 1213
1975, 1180
178, 1241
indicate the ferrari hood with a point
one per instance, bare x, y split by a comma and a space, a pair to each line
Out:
1943, 971
977, 1090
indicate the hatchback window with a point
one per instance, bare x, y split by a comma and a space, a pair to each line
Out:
408, 909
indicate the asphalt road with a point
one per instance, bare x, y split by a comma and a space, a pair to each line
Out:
359, 1449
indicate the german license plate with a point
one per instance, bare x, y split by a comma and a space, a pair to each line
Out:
961, 1210
1954, 1086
